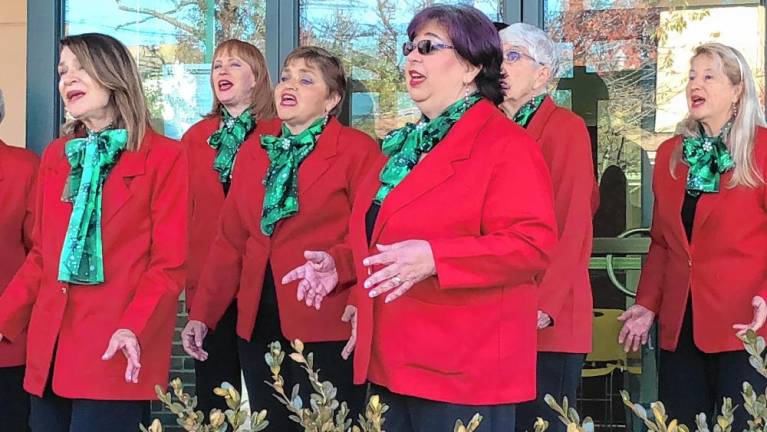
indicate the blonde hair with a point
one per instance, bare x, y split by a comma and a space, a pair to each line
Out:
740, 140
109, 63
262, 99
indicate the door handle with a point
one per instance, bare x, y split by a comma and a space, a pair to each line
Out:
610, 265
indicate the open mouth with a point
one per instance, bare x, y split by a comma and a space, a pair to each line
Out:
697, 101
225, 85
74, 95
416, 78
288, 99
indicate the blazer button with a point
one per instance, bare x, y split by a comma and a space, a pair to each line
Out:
63, 289
689, 263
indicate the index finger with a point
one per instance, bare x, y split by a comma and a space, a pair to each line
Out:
381, 258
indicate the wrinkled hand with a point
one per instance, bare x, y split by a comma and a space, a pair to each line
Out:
318, 278
760, 314
350, 316
407, 263
192, 337
637, 321
544, 320
124, 340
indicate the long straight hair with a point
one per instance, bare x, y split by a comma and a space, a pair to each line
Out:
749, 116
109, 63
262, 99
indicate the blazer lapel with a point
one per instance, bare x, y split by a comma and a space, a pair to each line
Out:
677, 191
541, 118
116, 191
437, 166
317, 163
708, 201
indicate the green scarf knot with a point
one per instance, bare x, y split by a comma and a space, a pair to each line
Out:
525, 113
708, 158
404, 146
286, 153
91, 159
227, 141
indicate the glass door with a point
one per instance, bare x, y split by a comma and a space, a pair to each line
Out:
625, 70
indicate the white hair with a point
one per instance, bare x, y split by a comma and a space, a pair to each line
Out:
539, 45
2, 106
748, 115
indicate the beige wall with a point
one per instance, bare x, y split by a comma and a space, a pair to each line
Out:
13, 73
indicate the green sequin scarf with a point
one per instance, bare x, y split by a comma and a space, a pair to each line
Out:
708, 158
227, 141
91, 159
286, 153
404, 146
526, 112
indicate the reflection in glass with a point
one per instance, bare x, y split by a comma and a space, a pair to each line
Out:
368, 35
173, 43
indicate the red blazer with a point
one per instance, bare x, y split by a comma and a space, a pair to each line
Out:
565, 291
726, 264
327, 183
483, 200
18, 169
144, 230
206, 192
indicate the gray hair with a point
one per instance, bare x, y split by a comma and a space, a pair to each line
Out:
2, 106
538, 44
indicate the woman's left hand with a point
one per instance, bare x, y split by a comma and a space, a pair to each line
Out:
124, 340
760, 314
406, 263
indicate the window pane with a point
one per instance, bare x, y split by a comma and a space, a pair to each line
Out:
173, 42
368, 35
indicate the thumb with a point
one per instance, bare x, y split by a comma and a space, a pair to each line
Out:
625, 315
111, 350
314, 256
198, 338
347, 316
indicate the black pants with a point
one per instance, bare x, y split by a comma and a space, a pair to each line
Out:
691, 381
14, 401
412, 414
327, 358
52, 413
558, 374
223, 363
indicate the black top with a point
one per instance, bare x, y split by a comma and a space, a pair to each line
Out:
226, 187
688, 214
370, 219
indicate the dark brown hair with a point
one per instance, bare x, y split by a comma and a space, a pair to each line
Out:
330, 67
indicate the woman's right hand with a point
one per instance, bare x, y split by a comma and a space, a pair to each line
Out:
192, 336
350, 316
637, 321
318, 278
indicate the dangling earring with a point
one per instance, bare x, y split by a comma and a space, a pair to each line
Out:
325, 120
465, 97
734, 109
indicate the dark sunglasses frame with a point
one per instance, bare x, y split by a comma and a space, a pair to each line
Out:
424, 46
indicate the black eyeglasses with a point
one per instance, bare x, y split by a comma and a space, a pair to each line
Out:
514, 56
425, 47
